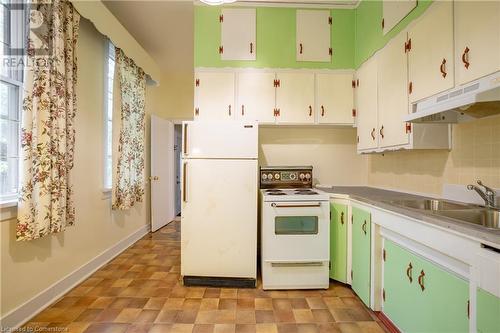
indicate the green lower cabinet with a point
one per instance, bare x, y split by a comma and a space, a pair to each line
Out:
338, 242
488, 312
361, 253
420, 296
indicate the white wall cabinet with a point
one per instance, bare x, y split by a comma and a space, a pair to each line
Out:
295, 98
366, 104
334, 98
393, 93
477, 39
313, 28
214, 95
394, 12
256, 96
238, 34
430, 55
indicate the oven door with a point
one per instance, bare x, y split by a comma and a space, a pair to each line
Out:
295, 232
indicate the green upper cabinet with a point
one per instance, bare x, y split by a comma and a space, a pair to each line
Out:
275, 39
361, 253
488, 312
338, 242
420, 296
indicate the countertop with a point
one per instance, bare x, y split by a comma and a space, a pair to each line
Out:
378, 197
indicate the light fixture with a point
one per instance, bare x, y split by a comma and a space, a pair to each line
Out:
217, 2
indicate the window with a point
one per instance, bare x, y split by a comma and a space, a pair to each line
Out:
108, 114
12, 32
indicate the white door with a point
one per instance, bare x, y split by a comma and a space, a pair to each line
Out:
295, 98
334, 98
393, 92
313, 35
220, 139
431, 56
477, 39
238, 34
367, 105
256, 96
162, 172
214, 94
394, 12
219, 218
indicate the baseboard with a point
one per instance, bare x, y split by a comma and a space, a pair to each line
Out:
32, 307
387, 322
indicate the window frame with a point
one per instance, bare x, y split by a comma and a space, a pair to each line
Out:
107, 122
13, 78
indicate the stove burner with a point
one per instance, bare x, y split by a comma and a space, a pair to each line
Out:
275, 192
305, 192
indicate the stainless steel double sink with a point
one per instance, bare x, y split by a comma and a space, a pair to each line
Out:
468, 213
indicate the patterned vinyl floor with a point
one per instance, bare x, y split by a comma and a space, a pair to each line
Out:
139, 291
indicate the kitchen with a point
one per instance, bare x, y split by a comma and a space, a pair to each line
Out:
355, 145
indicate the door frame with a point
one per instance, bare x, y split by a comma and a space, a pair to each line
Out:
178, 121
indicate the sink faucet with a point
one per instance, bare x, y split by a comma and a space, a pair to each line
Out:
488, 195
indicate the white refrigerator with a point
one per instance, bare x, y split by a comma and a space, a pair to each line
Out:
219, 185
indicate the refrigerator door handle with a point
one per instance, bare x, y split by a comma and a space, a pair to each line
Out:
184, 182
185, 146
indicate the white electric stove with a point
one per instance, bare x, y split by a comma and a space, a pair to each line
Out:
295, 229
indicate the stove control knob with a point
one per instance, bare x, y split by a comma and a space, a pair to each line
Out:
277, 176
264, 176
302, 176
270, 176
293, 176
308, 176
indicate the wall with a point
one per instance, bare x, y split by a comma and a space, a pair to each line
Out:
27, 268
275, 39
475, 155
331, 152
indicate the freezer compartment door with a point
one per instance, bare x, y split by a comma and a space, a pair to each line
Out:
219, 218
219, 139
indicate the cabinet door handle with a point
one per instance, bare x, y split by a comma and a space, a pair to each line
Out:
363, 227
421, 280
310, 111
251, 48
381, 131
409, 272
465, 57
342, 218
442, 68
373, 134
242, 109
229, 109
300, 48
322, 111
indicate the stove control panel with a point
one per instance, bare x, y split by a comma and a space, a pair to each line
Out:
283, 177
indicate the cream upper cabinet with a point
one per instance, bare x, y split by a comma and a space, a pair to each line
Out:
366, 102
295, 98
313, 35
394, 12
430, 55
334, 98
477, 39
256, 96
238, 31
393, 93
214, 94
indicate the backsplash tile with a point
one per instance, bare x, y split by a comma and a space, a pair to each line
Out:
475, 155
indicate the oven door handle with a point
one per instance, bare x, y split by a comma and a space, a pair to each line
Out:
275, 205
309, 263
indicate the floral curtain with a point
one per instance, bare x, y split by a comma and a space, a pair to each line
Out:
128, 169
47, 132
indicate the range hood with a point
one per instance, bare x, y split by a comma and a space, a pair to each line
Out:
477, 99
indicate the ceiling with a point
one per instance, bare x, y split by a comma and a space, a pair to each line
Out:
165, 29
